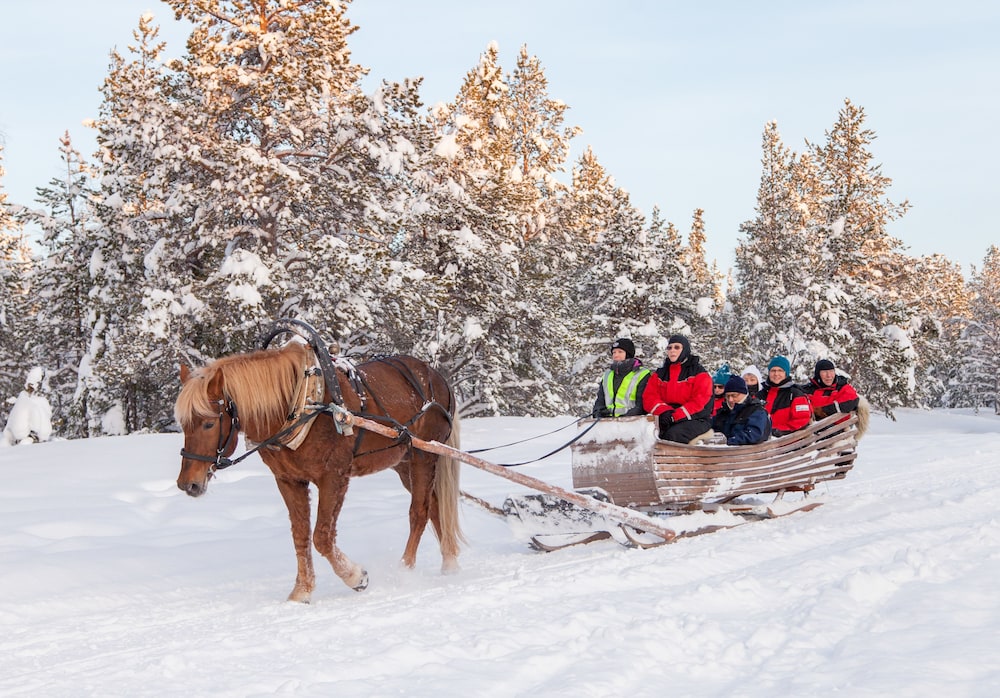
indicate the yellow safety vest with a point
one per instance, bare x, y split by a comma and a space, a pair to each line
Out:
624, 400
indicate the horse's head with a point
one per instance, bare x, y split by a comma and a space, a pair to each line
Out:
211, 427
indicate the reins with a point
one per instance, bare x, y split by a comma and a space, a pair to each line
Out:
554, 451
530, 438
328, 370
336, 405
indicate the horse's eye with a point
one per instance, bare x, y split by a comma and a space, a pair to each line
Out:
208, 425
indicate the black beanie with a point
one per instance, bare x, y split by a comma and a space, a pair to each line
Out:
625, 344
823, 365
736, 385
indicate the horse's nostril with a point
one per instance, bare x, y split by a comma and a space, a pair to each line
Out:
193, 489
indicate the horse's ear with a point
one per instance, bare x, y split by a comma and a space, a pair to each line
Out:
185, 373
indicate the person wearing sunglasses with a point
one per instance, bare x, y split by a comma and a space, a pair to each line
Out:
679, 394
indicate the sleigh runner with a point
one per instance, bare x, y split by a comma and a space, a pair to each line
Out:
689, 489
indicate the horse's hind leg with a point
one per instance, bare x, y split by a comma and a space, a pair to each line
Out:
296, 496
444, 512
332, 489
417, 475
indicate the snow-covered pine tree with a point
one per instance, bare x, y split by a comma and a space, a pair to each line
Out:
937, 298
540, 140
497, 342
146, 244
16, 307
624, 277
544, 351
62, 281
857, 212
773, 263
703, 285
977, 380
673, 305
822, 220
478, 128
241, 157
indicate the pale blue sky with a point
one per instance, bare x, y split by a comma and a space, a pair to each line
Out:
672, 96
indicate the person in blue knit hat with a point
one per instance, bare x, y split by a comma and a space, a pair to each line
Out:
718, 387
785, 401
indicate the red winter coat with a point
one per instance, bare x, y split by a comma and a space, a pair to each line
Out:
788, 406
681, 389
717, 402
831, 399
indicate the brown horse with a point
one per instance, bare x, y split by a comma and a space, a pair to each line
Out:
253, 393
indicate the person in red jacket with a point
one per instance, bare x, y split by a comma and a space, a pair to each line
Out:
829, 393
783, 399
679, 393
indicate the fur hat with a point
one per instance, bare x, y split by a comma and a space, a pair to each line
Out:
736, 385
782, 363
721, 376
626, 345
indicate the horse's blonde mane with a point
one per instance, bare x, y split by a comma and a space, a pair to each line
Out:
261, 385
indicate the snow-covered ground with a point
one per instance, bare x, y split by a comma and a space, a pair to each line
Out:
114, 583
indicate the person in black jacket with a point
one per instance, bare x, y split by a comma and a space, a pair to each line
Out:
742, 419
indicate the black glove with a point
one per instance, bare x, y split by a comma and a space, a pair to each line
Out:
666, 419
605, 412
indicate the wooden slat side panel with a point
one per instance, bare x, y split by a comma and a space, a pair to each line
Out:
777, 464
639, 471
689, 490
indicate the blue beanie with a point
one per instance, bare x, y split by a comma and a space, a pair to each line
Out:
721, 376
782, 363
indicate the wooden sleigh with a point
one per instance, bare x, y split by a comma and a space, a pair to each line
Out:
689, 489
643, 492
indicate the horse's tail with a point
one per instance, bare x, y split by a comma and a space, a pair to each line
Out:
864, 416
447, 489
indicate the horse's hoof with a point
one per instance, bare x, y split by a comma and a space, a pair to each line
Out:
363, 584
450, 566
300, 597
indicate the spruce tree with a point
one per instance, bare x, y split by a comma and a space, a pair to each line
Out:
882, 359
976, 383
822, 220
16, 307
775, 264
64, 217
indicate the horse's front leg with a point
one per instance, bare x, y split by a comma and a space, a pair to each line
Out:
296, 496
332, 489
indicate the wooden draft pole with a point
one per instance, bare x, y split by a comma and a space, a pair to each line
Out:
612, 511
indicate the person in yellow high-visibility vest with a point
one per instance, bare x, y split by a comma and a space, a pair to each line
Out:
620, 391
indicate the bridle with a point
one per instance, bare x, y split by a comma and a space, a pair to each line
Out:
227, 444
